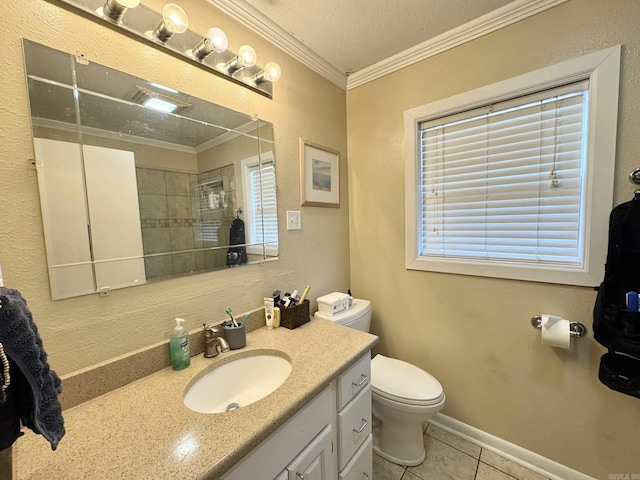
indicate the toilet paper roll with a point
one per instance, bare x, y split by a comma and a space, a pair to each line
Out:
556, 332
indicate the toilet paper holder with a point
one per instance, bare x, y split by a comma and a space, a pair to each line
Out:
576, 329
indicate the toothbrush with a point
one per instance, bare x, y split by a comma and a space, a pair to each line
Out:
233, 320
246, 317
304, 294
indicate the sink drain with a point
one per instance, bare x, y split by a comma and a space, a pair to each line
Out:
232, 406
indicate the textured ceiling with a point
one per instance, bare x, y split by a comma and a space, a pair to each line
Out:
354, 34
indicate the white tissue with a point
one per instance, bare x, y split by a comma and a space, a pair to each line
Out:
556, 332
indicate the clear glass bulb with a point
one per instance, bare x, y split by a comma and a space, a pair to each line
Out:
247, 56
174, 18
115, 9
218, 39
128, 3
272, 72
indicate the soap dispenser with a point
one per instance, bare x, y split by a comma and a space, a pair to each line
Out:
179, 347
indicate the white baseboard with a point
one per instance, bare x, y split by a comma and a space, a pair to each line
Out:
522, 456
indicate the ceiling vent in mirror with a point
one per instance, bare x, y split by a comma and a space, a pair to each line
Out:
157, 101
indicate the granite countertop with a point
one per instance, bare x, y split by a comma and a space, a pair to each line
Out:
143, 430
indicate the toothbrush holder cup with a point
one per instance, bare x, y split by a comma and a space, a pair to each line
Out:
236, 337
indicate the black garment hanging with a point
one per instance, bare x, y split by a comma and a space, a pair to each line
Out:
32, 396
236, 255
615, 324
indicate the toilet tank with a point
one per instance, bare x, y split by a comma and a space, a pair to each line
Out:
358, 316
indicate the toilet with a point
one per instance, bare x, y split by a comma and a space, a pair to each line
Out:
403, 396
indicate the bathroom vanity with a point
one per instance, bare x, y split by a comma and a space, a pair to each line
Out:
317, 424
325, 434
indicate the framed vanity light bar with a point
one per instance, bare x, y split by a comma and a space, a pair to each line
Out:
141, 21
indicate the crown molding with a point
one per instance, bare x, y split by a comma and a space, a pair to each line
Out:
492, 21
231, 134
98, 132
266, 28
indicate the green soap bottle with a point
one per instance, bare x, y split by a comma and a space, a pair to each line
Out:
179, 347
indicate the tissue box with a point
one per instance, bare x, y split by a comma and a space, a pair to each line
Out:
333, 303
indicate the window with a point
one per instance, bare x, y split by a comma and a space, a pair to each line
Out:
515, 180
211, 210
261, 212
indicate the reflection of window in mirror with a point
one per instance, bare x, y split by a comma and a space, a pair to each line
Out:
261, 217
184, 194
211, 211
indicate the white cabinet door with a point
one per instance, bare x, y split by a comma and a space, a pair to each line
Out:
284, 475
112, 196
64, 217
283, 447
317, 461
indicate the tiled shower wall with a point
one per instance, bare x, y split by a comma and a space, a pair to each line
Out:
172, 211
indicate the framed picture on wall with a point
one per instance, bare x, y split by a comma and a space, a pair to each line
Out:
319, 175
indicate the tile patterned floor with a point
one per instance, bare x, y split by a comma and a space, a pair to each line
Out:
450, 457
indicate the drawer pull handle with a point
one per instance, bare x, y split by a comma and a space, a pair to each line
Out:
300, 476
363, 378
364, 425
365, 476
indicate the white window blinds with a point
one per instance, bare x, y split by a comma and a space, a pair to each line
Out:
263, 226
505, 182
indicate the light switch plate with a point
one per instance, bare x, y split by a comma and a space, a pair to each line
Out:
293, 220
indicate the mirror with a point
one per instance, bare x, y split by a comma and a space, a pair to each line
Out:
139, 182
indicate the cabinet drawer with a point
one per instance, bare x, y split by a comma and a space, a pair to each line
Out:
354, 380
361, 465
354, 426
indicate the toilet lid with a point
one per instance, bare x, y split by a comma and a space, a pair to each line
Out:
404, 383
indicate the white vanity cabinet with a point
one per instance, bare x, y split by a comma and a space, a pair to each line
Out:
303, 447
354, 421
329, 439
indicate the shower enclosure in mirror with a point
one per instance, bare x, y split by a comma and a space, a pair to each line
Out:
139, 182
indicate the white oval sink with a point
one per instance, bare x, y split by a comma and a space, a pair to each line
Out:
237, 383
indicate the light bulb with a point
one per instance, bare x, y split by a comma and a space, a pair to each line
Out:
218, 39
246, 56
215, 41
115, 9
174, 20
270, 73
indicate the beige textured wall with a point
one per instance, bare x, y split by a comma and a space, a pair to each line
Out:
82, 331
472, 333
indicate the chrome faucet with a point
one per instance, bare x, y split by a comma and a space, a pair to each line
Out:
212, 341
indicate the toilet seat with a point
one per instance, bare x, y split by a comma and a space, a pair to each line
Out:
404, 383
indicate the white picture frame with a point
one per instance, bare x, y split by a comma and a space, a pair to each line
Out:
319, 175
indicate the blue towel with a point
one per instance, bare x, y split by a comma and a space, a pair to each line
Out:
35, 386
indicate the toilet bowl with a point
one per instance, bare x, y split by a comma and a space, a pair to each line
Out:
403, 396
